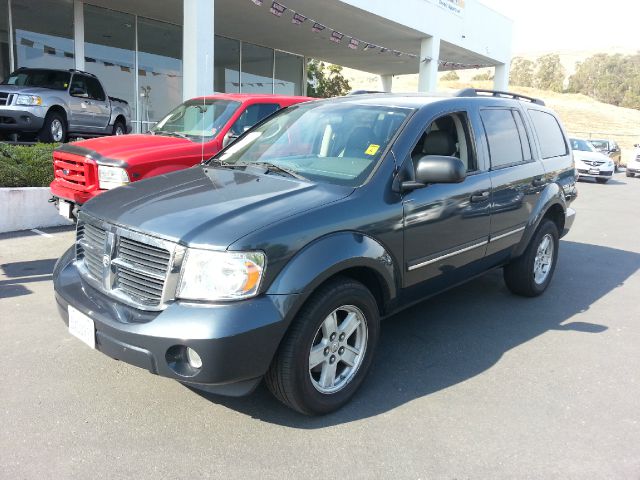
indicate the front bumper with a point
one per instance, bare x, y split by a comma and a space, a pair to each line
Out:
236, 341
14, 119
60, 189
583, 171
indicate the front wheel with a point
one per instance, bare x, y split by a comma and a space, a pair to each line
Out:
530, 274
602, 180
328, 349
54, 129
629, 174
119, 128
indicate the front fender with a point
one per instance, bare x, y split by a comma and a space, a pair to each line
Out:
331, 254
553, 194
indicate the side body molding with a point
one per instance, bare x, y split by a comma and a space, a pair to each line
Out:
331, 254
552, 195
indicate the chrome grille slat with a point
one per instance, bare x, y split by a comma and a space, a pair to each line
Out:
127, 265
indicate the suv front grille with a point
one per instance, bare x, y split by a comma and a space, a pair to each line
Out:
5, 98
130, 266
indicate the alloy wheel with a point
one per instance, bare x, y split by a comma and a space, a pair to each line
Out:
543, 260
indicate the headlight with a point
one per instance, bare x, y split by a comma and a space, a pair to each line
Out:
208, 275
29, 100
112, 177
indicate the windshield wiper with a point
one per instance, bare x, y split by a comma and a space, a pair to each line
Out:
174, 134
277, 168
216, 162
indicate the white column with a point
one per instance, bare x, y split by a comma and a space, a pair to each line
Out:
429, 56
78, 34
501, 77
197, 48
387, 82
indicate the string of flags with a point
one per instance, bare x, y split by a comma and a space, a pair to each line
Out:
278, 9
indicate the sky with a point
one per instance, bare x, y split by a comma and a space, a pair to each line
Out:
556, 25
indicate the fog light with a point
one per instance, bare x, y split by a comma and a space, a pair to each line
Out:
193, 358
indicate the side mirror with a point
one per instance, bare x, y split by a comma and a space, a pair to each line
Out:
437, 169
78, 92
229, 138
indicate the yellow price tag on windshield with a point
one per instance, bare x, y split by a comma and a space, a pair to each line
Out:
372, 150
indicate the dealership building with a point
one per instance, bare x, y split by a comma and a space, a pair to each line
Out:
155, 53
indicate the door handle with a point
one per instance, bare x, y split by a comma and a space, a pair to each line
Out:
538, 182
480, 196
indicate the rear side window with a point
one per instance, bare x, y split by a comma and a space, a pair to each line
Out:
95, 90
552, 142
505, 144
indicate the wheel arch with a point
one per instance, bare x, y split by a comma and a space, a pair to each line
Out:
347, 254
551, 205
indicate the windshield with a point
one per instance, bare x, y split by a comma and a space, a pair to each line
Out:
600, 144
336, 143
52, 79
582, 145
197, 118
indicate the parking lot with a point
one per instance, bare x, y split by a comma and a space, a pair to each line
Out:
474, 383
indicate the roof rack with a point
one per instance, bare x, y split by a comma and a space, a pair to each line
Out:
473, 92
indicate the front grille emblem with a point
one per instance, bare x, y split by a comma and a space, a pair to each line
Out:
106, 261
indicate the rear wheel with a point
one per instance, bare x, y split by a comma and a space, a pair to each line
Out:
530, 274
328, 349
602, 180
54, 128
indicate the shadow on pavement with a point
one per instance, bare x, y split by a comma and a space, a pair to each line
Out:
461, 333
20, 273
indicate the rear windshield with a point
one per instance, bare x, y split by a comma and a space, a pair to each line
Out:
52, 79
325, 142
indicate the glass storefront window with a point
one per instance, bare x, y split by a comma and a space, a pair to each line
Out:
257, 69
289, 71
159, 70
226, 69
43, 33
109, 50
4, 39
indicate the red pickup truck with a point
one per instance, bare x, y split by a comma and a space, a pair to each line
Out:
197, 129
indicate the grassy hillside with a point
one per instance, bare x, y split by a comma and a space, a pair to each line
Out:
582, 116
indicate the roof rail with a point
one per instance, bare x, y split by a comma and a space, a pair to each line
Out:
74, 70
473, 92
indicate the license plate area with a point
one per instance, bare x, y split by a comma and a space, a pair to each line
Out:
82, 327
594, 171
64, 208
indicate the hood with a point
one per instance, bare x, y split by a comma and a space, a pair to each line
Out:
209, 207
127, 147
597, 156
31, 90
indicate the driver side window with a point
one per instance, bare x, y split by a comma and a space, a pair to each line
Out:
78, 87
253, 115
448, 135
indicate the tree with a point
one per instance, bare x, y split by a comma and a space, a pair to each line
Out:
325, 81
550, 73
483, 76
521, 73
450, 75
613, 79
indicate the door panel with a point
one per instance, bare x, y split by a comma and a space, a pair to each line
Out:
444, 229
81, 117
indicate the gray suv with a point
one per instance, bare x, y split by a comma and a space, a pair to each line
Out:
278, 258
55, 103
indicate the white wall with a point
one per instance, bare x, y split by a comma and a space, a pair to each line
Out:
26, 208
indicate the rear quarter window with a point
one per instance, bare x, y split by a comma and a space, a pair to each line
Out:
503, 136
550, 136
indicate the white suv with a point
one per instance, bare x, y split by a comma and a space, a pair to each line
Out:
590, 162
633, 166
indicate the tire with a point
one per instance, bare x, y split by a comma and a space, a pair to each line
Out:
309, 390
602, 180
629, 174
54, 129
521, 274
119, 128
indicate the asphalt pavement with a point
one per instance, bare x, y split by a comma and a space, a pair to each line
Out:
475, 383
